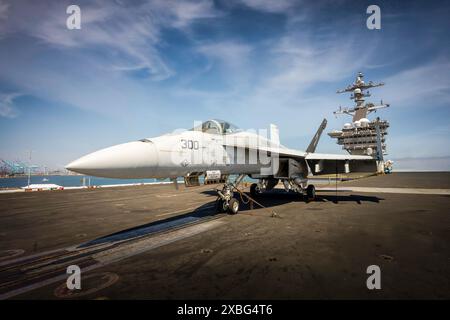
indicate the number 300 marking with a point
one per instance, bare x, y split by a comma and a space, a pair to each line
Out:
189, 144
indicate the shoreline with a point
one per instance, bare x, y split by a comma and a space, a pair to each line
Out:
24, 189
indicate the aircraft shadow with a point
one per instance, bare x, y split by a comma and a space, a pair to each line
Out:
279, 197
204, 211
208, 210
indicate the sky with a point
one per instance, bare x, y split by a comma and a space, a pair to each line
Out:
139, 69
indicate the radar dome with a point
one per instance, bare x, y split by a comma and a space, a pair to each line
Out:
357, 91
357, 124
347, 125
364, 122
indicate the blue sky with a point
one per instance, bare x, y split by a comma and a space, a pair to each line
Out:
142, 68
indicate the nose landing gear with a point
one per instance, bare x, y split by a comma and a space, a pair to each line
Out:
233, 206
226, 201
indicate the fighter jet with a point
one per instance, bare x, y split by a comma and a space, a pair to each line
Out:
217, 149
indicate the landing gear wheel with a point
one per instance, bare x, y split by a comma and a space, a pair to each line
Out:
233, 206
254, 190
221, 206
311, 192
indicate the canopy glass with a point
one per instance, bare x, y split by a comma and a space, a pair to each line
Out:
217, 126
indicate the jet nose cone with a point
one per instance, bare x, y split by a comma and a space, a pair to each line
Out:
74, 165
136, 159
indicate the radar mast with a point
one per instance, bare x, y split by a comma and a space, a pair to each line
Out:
360, 136
359, 90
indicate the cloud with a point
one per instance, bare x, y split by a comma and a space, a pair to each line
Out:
7, 109
419, 85
128, 36
280, 6
3, 10
230, 53
280, 81
180, 14
104, 67
298, 70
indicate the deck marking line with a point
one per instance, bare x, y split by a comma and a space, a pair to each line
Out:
390, 190
124, 251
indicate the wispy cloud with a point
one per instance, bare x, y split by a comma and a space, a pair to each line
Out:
295, 72
128, 35
3, 10
7, 108
427, 84
91, 68
280, 6
180, 14
229, 53
303, 63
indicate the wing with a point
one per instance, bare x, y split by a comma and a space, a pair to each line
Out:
318, 163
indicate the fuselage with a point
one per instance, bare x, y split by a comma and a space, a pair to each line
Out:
178, 154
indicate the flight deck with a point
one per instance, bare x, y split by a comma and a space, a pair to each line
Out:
154, 242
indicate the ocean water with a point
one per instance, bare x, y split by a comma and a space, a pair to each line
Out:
76, 181
68, 181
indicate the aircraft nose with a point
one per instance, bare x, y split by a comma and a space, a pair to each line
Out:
137, 159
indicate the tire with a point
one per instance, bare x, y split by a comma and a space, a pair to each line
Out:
233, 206
254, 190
221, 207
311, 192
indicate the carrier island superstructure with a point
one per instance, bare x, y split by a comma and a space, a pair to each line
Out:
360, 137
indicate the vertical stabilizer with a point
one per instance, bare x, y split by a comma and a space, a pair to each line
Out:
274, 134
315, 140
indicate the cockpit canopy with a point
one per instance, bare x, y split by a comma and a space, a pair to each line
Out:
216, 126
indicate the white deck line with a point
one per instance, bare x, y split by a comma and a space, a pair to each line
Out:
389, 190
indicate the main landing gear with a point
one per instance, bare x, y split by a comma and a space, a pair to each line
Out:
311, 192
226, 201
254, 190
299, 186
